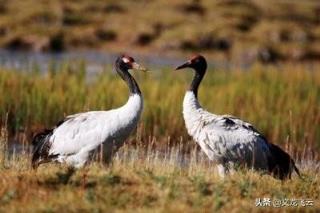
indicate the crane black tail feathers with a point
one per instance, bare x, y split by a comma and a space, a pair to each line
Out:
41, 147
281, 165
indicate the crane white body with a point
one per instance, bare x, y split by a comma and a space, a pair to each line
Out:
226, 140
74, 140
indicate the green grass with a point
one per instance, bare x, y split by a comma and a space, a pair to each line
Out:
283, 103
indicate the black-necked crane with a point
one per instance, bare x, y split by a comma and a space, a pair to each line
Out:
227, 140
74, 139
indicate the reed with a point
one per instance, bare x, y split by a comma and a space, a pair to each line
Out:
282, 102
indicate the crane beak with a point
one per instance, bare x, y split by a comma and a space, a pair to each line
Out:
136, 66
185, 65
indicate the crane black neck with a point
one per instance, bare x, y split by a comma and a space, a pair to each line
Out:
200, 71
123, 72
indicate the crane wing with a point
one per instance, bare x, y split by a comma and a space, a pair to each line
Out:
231, 138
81, 131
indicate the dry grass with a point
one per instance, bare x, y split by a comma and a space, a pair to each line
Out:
144, 181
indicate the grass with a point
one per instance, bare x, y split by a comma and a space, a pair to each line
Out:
143, 181
282, 102
160, 168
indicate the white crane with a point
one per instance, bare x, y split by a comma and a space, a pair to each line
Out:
74, 139
227, 140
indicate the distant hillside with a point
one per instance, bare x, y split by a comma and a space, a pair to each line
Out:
264, 30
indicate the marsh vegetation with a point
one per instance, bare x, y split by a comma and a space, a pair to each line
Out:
160, 168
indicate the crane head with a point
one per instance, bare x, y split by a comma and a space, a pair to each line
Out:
130, 63
197, 62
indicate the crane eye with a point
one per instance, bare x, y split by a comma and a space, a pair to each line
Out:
125, 60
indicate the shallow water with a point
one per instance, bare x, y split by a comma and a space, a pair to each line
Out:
94, 61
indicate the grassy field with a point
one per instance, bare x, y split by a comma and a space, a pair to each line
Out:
160, 169
241, 30
149, 181
282, 102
